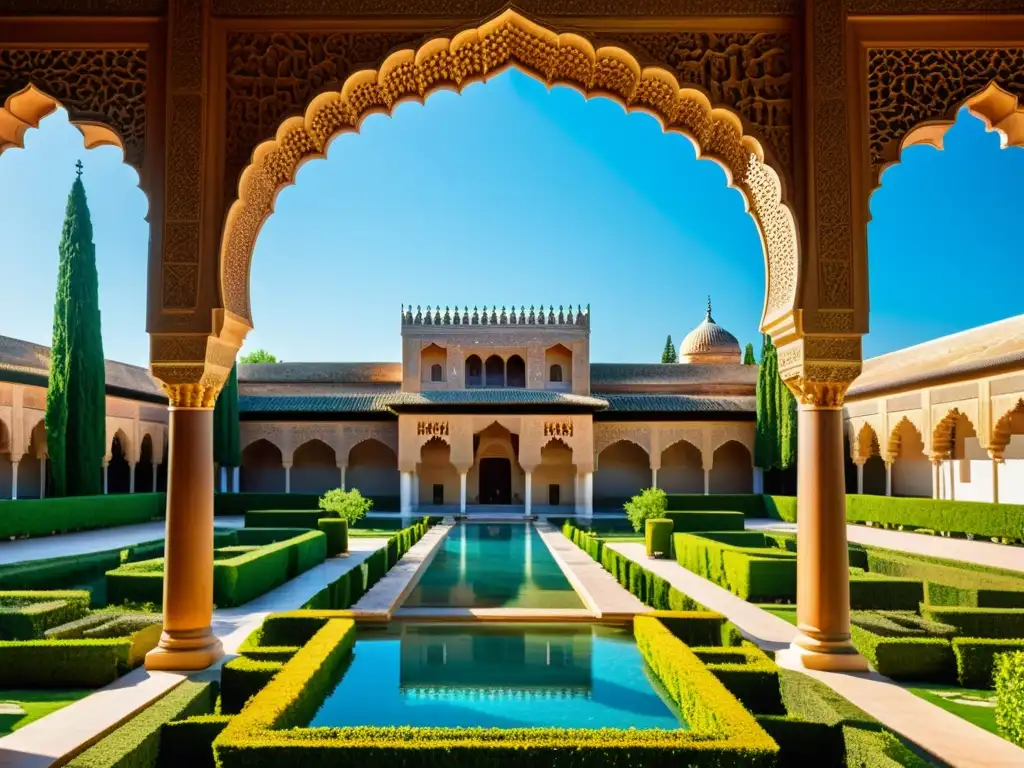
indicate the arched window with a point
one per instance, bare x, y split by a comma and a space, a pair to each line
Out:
494, 371
556, 374
436, 372
474, 372
515, 372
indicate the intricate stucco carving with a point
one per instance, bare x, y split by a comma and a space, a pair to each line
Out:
341, 437
104, 92
914, 94
944, 434
606, 435
894, 448
750, 72
508, 40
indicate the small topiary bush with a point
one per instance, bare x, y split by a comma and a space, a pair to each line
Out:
351, 506
649, 503
336, 531
1010, 696
658, 537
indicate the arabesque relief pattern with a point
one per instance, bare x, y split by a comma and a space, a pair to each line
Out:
104, 86
907, 87
470, 55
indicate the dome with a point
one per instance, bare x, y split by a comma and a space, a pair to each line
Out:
709, 343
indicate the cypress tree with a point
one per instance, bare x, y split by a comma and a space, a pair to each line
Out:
668, 355
787, 423
766, 442
76, 394
748, 355
226, 447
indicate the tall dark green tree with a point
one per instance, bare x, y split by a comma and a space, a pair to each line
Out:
786, 410
76, 395
227, 451
766, 437
668, 355
748, 355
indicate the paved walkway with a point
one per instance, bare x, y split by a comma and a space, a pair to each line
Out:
84, 542
946, 736
68, 731
978, 552
389, 593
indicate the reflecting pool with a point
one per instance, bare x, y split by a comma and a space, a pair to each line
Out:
498, 676
493, 565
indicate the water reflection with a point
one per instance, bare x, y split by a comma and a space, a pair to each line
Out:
488, 565
497, 675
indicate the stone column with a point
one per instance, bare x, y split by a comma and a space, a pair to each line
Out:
997, 459
654, 477
860, 475
758, 480
131, 477
42, 477
588, 494
405, 492
888, 478
187, 641
14, 480
223, 479
528, 492
952, 478
154, 478
415, 491
462, 492
287, 478
823, 576
707, 481
936, 464
106, 486
341, 472
237, 488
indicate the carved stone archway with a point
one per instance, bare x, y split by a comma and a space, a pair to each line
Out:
511, 40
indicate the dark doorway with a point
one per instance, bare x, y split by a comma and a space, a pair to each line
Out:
495, 481
554, 494
438, 493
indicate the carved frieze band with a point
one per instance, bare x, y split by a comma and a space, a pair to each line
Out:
908, 86
432, 428
104, 86
558, 428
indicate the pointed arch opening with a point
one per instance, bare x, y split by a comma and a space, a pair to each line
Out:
373, 469
314, 468
262, 468
682, 469
623, 470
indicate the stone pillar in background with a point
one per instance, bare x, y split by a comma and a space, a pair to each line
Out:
654, 477
188, 641
235, 481
462, 492
154, 477
888, 477
14, 480
860, 475
341, 473
528, 492
405, 493
707, 481
287, 478
758, 480
131, 477
42, 477
415, 491
588, 494
223, 479
936, 477
997, 459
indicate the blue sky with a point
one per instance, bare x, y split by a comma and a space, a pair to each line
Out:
511, 194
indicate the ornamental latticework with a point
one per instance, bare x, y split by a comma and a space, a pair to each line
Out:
493, 316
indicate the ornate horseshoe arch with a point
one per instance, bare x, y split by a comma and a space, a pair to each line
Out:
511, 40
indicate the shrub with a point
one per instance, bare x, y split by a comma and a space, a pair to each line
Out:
696, 628
1010, 696
749, 504
976, 659
699, 521
779, 507
336, 532
189, 742
138, 743
63, 663
906, 658
802, 742
285, 518
26, 615
949, 582
979, 622
754, 574
57, 572
983, 519
242, 678
349, 505
76, 629
749, 674
43, 517
872, 591
649, 503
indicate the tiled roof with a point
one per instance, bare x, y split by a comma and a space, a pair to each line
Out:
27, 362
384, 403
671, 403
659, 374
996, 346
320, 373
348, 403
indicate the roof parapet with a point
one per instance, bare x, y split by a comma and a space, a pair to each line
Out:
522, 316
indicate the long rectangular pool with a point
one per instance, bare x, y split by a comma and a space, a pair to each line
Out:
498, 676
493, 565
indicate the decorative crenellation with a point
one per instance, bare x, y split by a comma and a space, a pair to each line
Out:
432, 428
521, 316
558, 428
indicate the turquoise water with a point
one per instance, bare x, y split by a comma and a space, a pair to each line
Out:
493, 565
498, 676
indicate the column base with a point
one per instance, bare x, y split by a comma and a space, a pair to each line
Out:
826, 656
185, 651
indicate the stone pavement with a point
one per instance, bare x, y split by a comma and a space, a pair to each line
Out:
84, 542
978, 552
65, 733
389, 593
946, 736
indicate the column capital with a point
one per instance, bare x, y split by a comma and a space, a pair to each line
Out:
997, 454
818, 369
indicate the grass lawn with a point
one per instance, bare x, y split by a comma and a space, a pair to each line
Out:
36, 704
956, 700
784, 612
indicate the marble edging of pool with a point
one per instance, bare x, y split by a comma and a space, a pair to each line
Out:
398, 583
545, 530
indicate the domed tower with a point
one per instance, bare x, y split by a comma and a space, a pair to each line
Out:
709, 343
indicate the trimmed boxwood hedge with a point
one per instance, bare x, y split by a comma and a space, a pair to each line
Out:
658, 537
63, 663
979, 518
286, 518
336, 531
906, 658
976, 659
703, 520
43, 517
749, 674
1010, 696
26, 615
240, 503
189, 742
757, 574
139, 743
979, 622
242, 678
